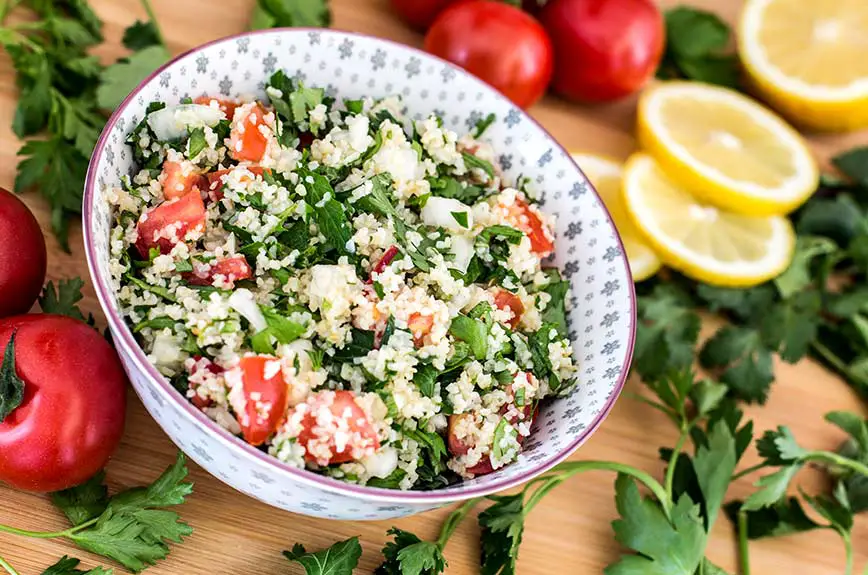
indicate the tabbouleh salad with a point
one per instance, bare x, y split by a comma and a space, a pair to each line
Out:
355, 298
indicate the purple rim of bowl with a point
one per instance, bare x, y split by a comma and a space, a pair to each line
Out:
234, 444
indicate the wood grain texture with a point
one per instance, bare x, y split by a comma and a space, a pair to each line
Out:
568, 532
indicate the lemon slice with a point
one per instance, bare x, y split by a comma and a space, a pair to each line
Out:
703, 241
808, 59
726, 148
605, 176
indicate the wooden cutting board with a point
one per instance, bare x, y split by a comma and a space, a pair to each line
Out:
568, 532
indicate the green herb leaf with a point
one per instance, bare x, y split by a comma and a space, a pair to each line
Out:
555, 312
131, 530
291, 13
745, 360
784, 517
854, 164
714, 464
68, 566
58, 170
121, 78
695, 44
409, 555
283, 329
425, 379
11, 386
474, 162
329, 214
502, 528
460, 218
62, 300
339, 559
798, 275
772, 488
662, 548
83, 502
482, 125
779, 447
666, 332
472, 331
196, 143
141, 35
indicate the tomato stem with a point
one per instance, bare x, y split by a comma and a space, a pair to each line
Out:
9, 568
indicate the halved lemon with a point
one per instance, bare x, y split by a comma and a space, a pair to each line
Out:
726, 148
605, 176
808, 59
701, 240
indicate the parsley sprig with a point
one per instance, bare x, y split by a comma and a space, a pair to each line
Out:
65, 93
667, 531
133, 527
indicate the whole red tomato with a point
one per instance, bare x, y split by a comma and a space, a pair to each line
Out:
498, 43
604, 49
420, 13
71, 417
22, 256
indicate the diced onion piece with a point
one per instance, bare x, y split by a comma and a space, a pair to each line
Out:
382, 462
462, 250
438, 212
171, 123
242, 301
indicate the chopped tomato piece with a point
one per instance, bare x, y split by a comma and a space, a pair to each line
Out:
215, 181
226, 106
508, 300
232, 269
527, 220
266, 398
198, 400
167, 224
384, 262
179, 178
420, 326
456, 446
335, 429
247, 142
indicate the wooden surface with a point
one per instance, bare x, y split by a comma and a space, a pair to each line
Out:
568, 532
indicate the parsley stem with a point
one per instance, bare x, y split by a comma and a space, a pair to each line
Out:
848, 548
658, 406
747, 471
673, 459
454, 519
146, 4
743, 550
570, 468
7, 8
835, 459
9, 568
48, 534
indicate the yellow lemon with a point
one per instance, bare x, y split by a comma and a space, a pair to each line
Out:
605, 176
726, 149
703, 241
808, 59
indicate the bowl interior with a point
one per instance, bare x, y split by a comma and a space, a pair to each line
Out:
588, 250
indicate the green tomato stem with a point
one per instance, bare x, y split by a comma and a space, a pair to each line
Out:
454, 519
743, 549
9, 568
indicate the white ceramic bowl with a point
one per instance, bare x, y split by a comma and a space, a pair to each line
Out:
588, 252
